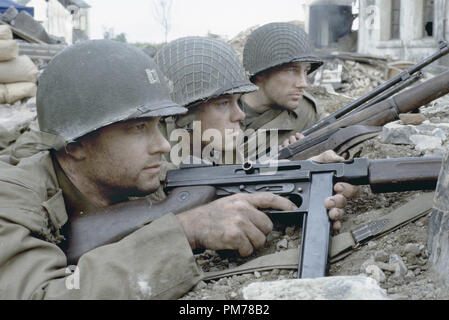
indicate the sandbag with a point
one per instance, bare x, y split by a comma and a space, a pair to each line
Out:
5, 33
12, 92
20, 69
9, 49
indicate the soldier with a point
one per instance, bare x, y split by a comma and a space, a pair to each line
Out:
207, 78
278, 58
99, 103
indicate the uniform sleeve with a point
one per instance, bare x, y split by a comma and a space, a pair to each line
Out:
155, 262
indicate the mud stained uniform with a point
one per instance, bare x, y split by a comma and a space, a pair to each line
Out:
286, 122
36, 199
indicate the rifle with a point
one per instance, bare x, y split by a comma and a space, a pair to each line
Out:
306, 183
366, 122
383, 91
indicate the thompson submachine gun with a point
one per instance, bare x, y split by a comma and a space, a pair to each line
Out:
306, 183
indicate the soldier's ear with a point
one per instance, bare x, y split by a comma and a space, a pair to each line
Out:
76, 150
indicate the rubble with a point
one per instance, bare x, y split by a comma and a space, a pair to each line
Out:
25, 26
328, 288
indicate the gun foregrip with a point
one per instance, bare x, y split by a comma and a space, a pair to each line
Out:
404, 174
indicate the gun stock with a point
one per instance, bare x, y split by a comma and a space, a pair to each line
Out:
108, 225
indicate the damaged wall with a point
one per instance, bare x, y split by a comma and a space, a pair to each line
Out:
379, 20
54, 17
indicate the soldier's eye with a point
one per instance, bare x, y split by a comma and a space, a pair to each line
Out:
140, 126
223, 103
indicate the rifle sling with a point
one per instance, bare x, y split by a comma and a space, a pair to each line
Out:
412, 210
342, 244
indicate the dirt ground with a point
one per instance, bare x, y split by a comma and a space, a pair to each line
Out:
408, 242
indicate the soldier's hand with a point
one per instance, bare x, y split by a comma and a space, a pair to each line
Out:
336, 203
232, 222
291, 139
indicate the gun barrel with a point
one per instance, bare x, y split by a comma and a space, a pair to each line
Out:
402, 85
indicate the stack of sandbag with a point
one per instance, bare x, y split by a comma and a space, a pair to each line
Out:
18, 74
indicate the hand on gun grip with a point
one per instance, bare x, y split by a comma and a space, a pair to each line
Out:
232, 222
336, 204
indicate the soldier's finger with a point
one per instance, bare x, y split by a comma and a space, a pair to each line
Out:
292, 139
335, 201
264, 200
299, 135
346, 189
328, 156
336, 225
245, 247
255, 236
336, 214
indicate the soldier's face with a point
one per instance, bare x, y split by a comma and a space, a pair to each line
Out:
223, 115
284, 86
125, 157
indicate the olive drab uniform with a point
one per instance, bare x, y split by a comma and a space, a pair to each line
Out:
36, 199
285, 122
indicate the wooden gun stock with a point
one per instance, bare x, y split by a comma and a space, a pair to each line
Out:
110, 224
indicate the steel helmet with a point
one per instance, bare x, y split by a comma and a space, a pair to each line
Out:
94, 83
277, 43
199, 68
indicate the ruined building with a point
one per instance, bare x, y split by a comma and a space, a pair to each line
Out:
403, 29
327, 21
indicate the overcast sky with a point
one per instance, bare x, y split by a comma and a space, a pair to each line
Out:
188, 17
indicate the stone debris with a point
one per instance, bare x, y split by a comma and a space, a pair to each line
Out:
412, 118
428, 137
327, 288
375, 272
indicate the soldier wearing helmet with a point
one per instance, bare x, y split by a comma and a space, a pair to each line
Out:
278, 58
207, 78
99, 104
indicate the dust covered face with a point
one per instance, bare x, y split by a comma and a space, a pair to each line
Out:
124, 158
221, 118
284, 85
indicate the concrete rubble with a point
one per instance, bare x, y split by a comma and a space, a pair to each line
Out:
328, 288
29, 28
16, 119
430, 137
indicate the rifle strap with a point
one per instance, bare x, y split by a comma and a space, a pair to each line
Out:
343, 244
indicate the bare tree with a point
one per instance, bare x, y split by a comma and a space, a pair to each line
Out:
161, 12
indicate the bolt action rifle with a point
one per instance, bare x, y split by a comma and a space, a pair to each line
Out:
363, 118
306, 183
